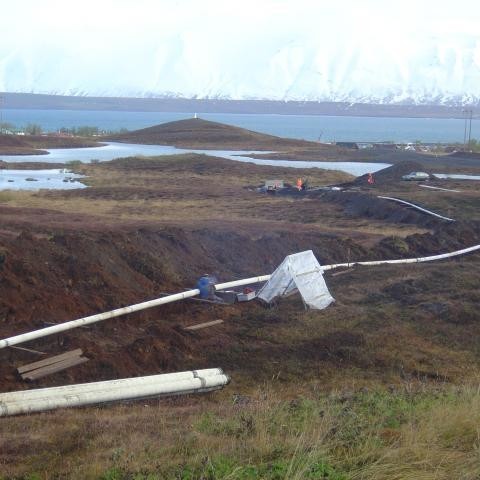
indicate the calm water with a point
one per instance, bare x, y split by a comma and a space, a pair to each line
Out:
62, 179
117, 150
309, 127
54, 179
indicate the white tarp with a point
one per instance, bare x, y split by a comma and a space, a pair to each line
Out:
302, 272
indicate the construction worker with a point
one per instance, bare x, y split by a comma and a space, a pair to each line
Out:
299, 183
370, 179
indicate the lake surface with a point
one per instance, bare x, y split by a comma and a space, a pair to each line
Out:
455, 176
308, 127
53, 179
118, 150
47, 178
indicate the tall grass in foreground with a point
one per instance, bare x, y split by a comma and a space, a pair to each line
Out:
433, 433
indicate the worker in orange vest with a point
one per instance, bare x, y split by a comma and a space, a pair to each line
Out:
299, 183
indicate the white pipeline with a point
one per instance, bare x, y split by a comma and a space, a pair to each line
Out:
51, 401
404, 260
424, 210
245, 281
61, 327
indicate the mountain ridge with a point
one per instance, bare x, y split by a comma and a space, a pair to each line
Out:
13, 100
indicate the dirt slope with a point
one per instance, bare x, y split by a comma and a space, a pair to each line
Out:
199, 133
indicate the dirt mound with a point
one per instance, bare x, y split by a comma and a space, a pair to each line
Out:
198, 133
62, 276
14, 145
12, 141
364, 205
389, 175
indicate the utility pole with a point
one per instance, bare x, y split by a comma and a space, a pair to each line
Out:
470, 128
468, 121
1, 114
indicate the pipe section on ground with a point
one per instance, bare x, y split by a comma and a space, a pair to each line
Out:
16, 403
424, 210
110, 384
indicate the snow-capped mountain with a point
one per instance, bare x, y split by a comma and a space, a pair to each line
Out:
304, 53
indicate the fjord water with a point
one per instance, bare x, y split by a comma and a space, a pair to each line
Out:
308, 127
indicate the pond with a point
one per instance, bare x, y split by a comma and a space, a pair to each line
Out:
53, 179
114, 150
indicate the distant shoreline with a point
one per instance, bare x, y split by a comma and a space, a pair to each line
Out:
183, 105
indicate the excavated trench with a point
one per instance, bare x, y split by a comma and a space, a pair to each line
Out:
53, 278
62, 275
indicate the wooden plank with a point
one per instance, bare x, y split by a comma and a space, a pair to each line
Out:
31, 350
50, 360
198, 326
56, 367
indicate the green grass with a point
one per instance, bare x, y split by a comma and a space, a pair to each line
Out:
420, 431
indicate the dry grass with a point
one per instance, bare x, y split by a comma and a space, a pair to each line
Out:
197, 190
412, 433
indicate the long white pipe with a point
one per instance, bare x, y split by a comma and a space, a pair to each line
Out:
61, 327
424, 210
440, 188
43, 332
195, 385
39, 393
245, 281
405, 260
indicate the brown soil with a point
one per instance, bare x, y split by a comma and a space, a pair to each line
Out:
456, 163
35, 144
67, 254
390, 175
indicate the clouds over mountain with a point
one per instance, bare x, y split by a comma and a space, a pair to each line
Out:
274, 49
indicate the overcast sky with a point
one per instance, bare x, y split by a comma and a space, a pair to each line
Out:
262, 48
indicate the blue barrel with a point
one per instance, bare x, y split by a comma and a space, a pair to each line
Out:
204, 285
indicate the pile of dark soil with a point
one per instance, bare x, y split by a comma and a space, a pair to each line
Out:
388, 176
198, 133
11, 141
61, 276
14, 145
32, 144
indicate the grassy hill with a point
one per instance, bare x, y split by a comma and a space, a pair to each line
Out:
199, 133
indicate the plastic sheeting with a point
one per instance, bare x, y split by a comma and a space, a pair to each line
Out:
299, 272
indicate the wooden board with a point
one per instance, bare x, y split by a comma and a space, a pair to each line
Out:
55, 367
49, 361
198, 326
